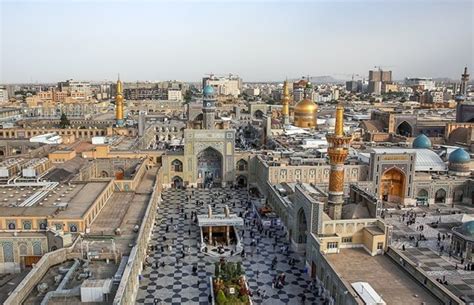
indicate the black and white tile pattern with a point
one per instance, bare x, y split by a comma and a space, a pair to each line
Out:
175, 283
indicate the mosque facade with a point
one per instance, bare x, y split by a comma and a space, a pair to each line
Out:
209, 157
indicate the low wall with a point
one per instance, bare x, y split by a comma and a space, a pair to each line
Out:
32, 279
437, 289
128, 287
131, 185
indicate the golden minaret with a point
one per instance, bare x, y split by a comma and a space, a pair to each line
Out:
286, 104
119, 103
338, 151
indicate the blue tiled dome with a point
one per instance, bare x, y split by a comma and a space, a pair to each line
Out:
422, 141
459, 156
208, 91
467, 229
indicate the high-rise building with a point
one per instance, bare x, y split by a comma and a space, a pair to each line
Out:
228, 85
354, 86
377, 78
380, 76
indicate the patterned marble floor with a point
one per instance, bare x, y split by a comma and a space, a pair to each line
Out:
176, 284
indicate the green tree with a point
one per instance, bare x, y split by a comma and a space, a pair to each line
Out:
188, 95
239, 269
221, 299
64, 122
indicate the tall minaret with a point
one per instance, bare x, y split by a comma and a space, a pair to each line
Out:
208, 108
464, 80
285, 101
119, 103
338, 151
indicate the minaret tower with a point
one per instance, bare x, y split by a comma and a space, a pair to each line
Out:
464, 80
462, 95
119, 103
338, 151
286, 104
208, 108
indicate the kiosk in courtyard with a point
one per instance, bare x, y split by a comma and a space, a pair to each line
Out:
219, 234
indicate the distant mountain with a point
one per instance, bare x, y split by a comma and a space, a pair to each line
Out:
323, 79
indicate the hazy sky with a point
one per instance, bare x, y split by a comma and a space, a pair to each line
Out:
264, 40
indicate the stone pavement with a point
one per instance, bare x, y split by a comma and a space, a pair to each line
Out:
436, 264
176, 284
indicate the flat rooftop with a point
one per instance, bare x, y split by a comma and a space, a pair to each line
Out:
79, 198
385, 277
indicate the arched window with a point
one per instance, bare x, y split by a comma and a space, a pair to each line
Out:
26, 225
177, 165
242, 165
73, 227
23, 249
37, 248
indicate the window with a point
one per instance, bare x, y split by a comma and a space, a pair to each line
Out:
379, 246
332, 245
177, 166
27, 225
347, 239
11, 225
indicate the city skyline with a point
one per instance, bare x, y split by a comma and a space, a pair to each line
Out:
48, 41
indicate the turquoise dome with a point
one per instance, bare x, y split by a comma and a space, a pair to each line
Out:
208, 91
422, 141
459, 156
467, 229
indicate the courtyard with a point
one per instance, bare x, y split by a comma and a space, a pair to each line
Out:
170, 281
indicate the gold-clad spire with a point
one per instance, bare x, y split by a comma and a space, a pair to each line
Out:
119, 89
119, 102
339, 128
286, 99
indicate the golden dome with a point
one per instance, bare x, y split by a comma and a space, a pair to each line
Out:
306, 106
306, 113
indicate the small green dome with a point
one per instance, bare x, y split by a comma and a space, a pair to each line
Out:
459, 156
422, 141
208, 91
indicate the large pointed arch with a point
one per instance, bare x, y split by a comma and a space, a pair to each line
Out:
392, 185
209, 166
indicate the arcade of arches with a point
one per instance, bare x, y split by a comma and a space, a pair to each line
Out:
393, 185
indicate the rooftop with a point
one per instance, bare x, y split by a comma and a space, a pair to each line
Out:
387, 279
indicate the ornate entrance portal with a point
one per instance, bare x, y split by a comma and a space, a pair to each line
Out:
209, 166
393, 186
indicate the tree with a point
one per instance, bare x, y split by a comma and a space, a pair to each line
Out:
64, 122
221, 299
188, 95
